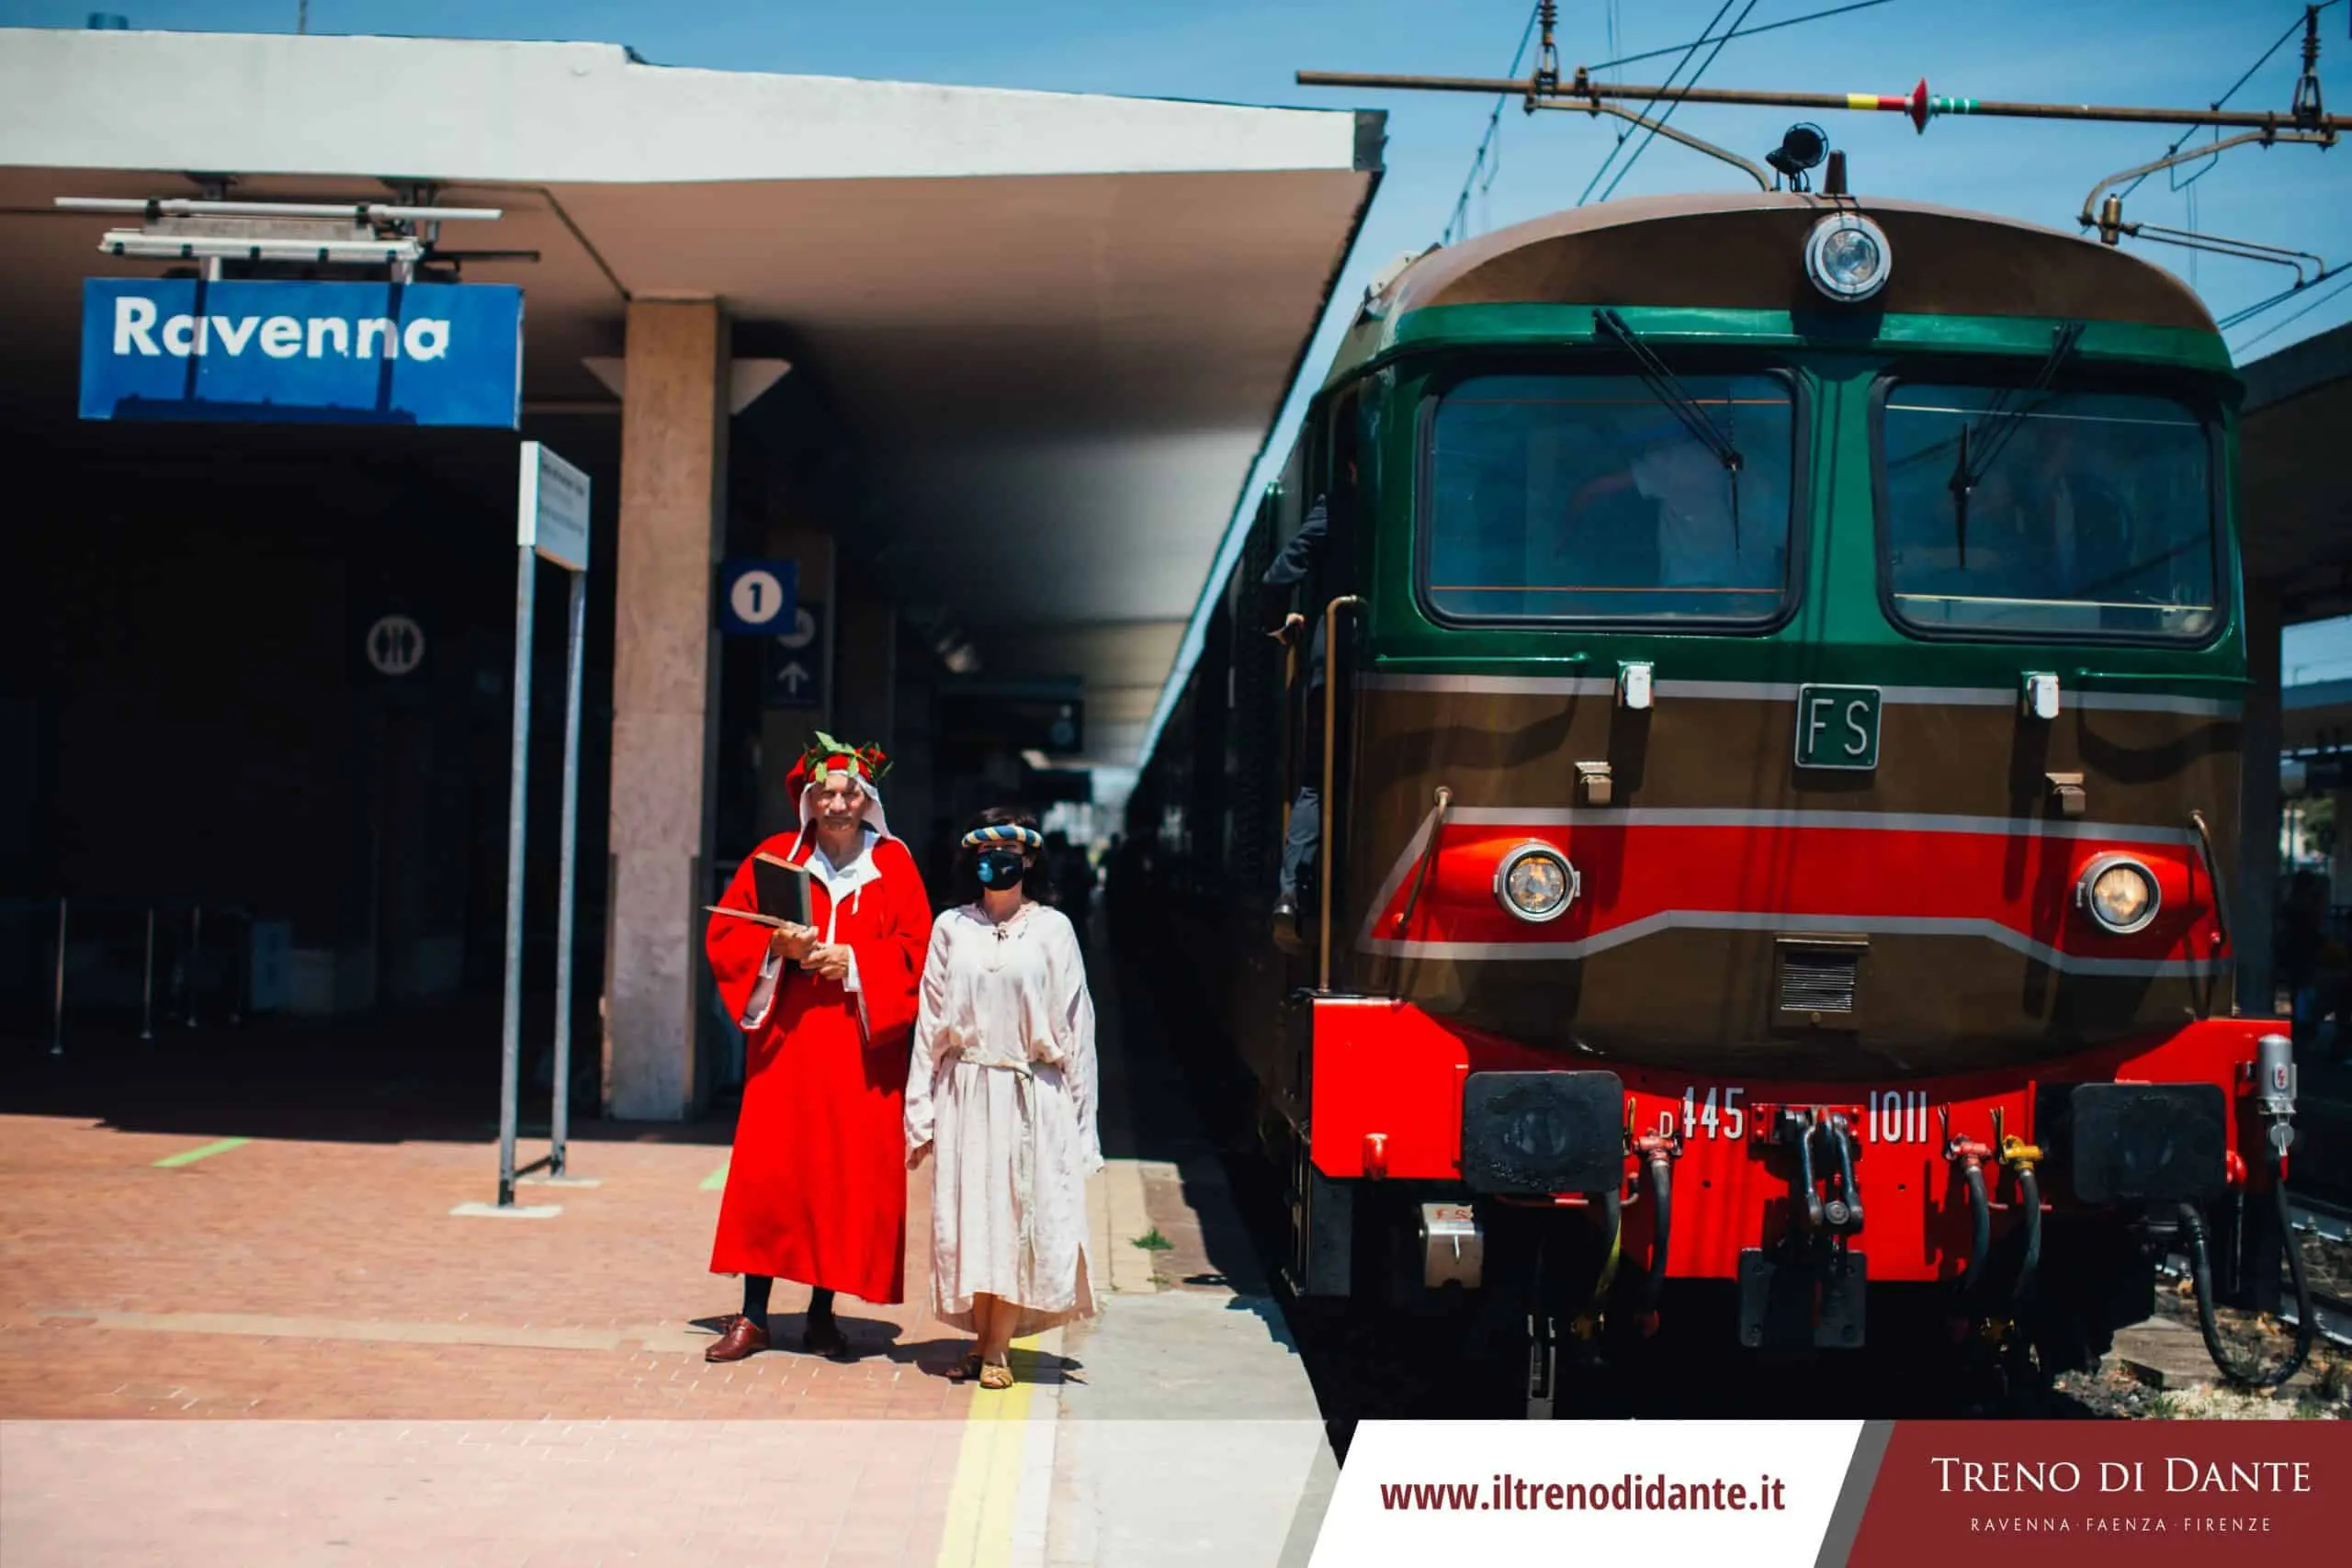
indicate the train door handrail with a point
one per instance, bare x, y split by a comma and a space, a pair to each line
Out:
1330, 738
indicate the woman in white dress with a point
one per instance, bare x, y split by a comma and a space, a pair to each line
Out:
1001, 1084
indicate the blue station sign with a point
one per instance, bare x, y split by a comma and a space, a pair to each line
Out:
312, 353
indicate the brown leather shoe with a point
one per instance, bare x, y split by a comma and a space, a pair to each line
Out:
743, 1337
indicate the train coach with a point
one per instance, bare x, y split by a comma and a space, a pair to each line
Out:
1770, 717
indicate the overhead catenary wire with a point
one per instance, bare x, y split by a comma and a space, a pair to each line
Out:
1706, 33
1738, 32
2286, 321
1635, 156
2292, 28
1457, 224
2246, 313
2303, 23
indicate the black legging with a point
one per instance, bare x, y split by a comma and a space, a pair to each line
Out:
755, 1300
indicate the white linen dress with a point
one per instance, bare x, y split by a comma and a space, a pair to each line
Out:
1001, 1082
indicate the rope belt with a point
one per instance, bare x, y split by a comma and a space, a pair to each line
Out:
1025, 1163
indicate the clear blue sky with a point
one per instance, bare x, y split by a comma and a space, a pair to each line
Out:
2148, 51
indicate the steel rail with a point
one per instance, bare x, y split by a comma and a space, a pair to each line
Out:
2331, 1223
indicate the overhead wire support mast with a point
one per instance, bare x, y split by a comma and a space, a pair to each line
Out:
1582, 91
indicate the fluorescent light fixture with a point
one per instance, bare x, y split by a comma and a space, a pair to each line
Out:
175, 247
355, 212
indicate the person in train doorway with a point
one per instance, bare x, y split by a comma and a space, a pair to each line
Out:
1291, 589
816, 1185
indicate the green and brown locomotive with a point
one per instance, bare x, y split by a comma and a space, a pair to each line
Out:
1772, 723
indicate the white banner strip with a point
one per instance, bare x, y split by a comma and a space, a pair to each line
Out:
1413, 1492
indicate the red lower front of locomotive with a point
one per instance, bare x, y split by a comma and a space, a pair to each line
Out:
1911, 1181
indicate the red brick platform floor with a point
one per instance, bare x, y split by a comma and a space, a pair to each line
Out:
331, 1280
514, 1362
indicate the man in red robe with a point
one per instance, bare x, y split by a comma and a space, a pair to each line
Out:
817, 1187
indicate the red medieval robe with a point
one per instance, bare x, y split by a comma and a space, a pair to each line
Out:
817, 1186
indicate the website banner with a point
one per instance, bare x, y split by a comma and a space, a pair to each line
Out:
1875, 1494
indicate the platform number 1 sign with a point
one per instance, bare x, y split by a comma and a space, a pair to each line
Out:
757, 598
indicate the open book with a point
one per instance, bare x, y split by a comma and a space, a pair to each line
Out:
779, 888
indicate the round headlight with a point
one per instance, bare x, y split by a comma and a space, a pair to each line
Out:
1536, 883
1848, 257
2119, 893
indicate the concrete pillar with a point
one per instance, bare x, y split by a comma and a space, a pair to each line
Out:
2257, 888
665, 700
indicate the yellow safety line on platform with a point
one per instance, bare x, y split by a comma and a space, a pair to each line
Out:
716, 1181
979, 1532
189, 1156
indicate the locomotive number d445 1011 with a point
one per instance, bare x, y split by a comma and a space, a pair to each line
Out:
1729, 1112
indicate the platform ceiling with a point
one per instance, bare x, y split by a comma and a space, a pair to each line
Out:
2295, 490
1061, 326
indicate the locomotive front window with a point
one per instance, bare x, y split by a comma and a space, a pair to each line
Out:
1586, 498
2078, 514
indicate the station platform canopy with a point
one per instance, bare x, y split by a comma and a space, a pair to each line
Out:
2295, 494
1062, 326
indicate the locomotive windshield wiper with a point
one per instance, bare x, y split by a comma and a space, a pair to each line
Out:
1653, 373
1981, 443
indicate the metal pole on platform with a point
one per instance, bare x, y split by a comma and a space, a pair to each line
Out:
518, 800
147, 984
560, 1112
57, 1014
195, 955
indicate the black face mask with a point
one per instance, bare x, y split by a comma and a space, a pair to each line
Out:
1000, 869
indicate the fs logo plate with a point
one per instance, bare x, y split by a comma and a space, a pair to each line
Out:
1838, 727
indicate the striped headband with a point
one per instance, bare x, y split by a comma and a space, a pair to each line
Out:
980, 838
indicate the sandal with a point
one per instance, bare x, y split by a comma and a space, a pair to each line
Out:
996, 1375
968, 1369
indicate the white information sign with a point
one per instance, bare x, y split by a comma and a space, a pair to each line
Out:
551, 515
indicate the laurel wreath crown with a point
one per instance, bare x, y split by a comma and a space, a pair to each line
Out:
869, 760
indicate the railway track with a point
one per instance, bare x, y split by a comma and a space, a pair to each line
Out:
2324, 1229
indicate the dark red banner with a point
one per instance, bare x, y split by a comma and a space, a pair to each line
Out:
2024, 1492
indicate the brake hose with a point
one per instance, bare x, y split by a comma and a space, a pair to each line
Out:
2202, 1271
1661, 1169
1980, 1228
2030, 1200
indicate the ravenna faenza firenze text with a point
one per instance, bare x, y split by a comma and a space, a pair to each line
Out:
280, 337
2115, 1475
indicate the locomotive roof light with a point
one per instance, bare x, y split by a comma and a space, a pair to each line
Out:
1536, 883
2119, 893
1848, 257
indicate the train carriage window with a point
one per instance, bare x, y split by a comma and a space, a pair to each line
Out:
2091, 515
1584, 498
